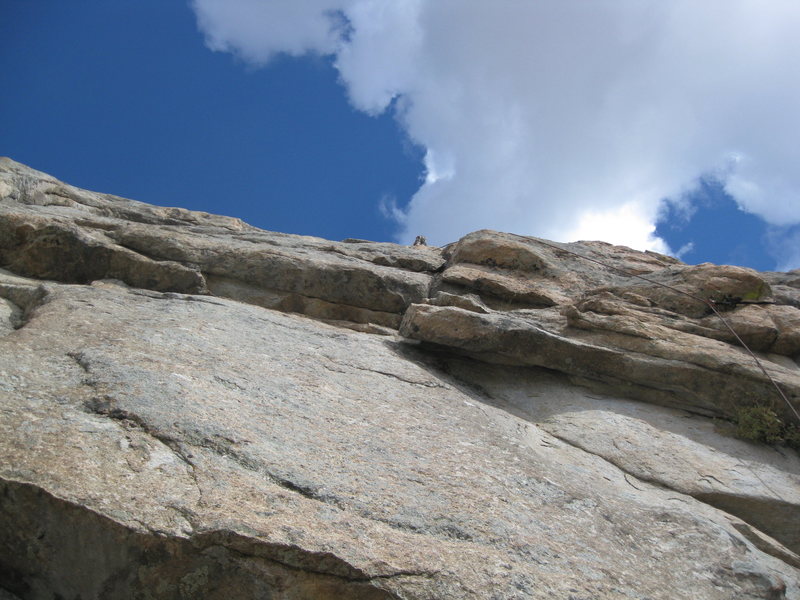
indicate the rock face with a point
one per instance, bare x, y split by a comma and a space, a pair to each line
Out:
191, 407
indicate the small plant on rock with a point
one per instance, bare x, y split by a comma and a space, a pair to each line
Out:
762, 424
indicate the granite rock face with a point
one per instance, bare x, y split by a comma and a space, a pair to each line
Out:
191, 407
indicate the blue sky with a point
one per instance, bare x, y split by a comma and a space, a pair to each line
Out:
123, 97
420, 117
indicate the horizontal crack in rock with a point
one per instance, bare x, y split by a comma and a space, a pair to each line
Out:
294, 557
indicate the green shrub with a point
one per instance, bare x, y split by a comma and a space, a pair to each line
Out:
762, 424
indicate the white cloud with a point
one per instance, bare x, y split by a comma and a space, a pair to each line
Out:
785, 243
257, 30
389, 209
627, 225
684, 250
560, 119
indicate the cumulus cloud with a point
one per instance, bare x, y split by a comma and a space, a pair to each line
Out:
561, 119
256, 30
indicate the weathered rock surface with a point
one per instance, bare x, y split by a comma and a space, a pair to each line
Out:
166, 432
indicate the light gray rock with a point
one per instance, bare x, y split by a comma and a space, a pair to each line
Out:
471, 302
168, 432
250, 451
10, 316
671, 448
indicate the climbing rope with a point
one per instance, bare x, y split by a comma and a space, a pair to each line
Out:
707, 301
